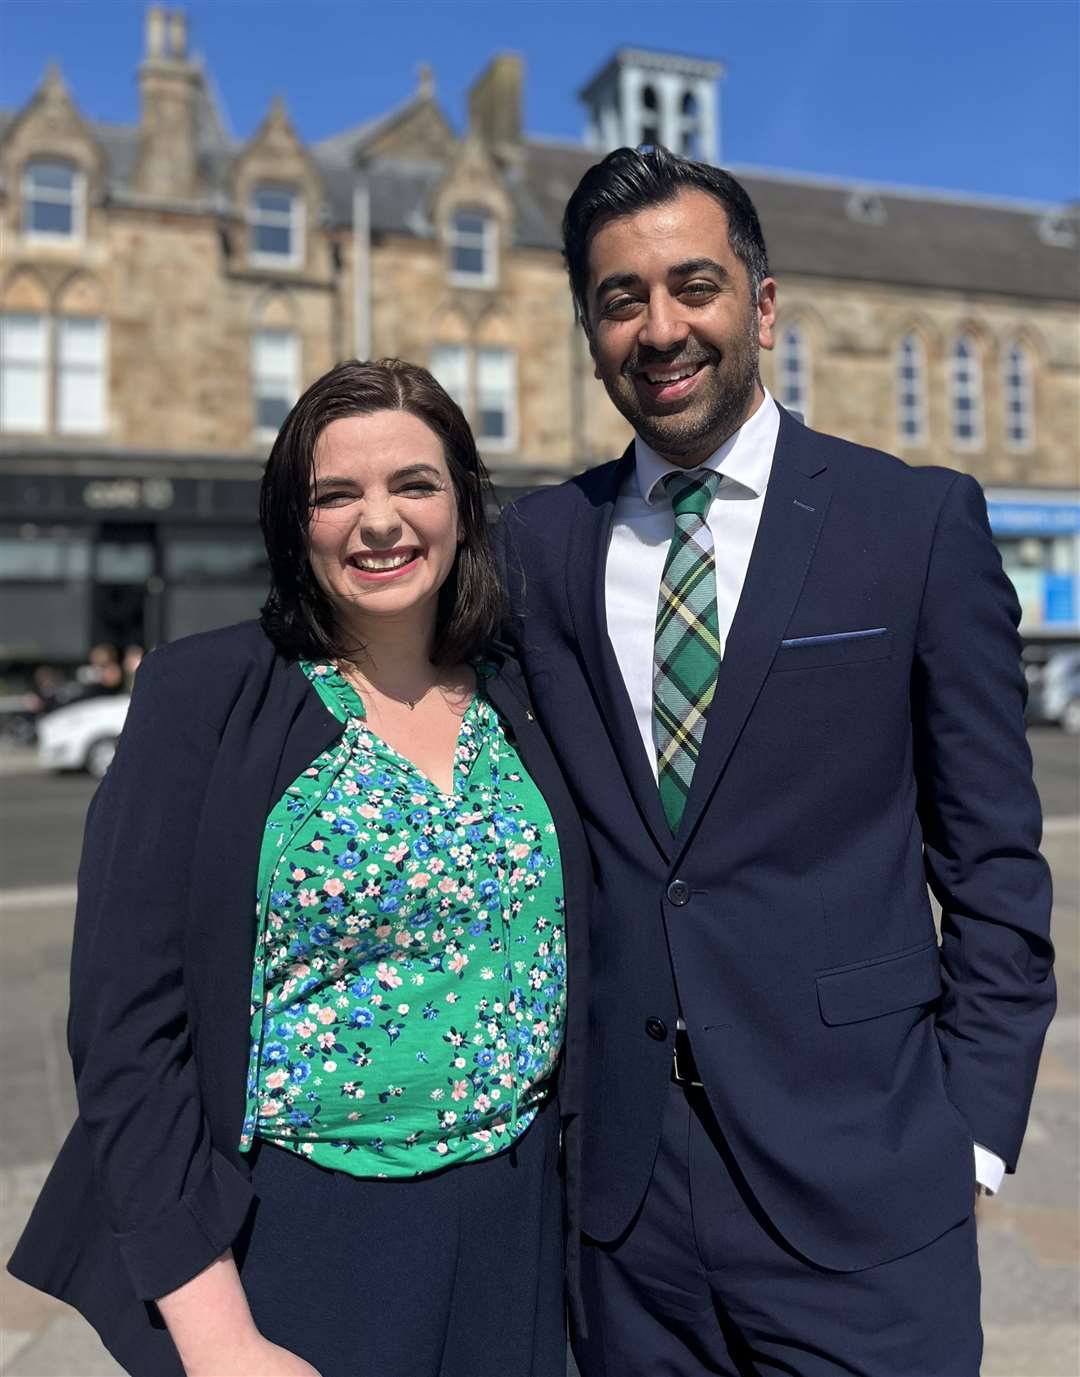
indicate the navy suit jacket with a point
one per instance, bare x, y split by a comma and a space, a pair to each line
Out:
150, 1185
850, 1059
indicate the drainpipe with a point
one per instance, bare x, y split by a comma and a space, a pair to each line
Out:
361, 245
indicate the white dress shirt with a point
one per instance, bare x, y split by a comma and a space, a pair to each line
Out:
641, 532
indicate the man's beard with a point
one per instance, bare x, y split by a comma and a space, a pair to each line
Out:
687, 433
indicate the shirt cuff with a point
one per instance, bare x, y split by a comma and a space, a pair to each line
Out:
989, 1169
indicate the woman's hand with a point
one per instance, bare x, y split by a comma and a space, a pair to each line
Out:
211, 1325
254, 1357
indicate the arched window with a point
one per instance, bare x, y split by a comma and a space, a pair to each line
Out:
650, 117
793, 370
965, 394
275, 367
911, 391
52, 199
1019, 392
690, 127
471, 235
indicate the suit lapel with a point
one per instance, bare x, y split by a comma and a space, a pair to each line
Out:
795, 504
586, 571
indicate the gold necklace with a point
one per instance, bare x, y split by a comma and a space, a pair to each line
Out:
353, 676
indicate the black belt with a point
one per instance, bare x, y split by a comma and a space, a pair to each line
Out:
683, 1067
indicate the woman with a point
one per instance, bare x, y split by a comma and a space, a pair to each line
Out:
318, 978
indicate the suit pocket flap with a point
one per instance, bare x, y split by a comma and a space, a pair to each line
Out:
882, 986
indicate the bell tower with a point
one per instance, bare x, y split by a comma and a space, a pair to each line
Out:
655, 98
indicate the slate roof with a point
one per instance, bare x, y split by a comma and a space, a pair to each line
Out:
923, 240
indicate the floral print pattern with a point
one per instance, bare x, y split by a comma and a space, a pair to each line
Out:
409, 990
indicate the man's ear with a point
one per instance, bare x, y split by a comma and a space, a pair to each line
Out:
766, 309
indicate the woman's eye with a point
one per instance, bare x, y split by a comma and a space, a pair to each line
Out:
420, 487
331, 499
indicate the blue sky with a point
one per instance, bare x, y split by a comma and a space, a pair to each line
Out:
969, 95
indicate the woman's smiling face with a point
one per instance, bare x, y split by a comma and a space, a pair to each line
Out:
384, 527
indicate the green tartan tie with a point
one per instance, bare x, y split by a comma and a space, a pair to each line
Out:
687, 648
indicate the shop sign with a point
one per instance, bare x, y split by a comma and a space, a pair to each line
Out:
128, 494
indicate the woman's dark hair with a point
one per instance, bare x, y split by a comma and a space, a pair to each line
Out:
629, 180
297, 615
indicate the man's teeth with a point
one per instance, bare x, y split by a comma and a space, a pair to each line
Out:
376, 564
658, 378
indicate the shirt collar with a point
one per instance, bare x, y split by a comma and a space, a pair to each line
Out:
744, 458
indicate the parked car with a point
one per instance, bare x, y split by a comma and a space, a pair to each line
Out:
1055, 693
82, 736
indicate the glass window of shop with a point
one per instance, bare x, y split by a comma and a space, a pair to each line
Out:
1045, 571
213, 576
44, 592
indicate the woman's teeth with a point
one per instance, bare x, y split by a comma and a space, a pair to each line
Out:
377, 564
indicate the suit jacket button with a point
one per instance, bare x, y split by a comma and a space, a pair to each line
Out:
679, 893
656, 1029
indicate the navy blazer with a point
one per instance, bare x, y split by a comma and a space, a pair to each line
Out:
150, 1186
867, 734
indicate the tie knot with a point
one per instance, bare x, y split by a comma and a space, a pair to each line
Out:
691, 493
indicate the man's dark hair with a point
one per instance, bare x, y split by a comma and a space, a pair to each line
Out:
629, 180
297, 615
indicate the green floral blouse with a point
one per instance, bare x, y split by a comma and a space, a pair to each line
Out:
409, 990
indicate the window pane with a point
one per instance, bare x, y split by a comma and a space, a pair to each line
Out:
495, 370
275, 353
275, 240
82, 341
449, 367
23, 394
22, 337
80, 381
493, 425
275, 202
468, 261
276, 370
495, 393
470, 223
50, 217
270, 412
58, 176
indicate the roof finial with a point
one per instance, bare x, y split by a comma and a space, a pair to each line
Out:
425, 88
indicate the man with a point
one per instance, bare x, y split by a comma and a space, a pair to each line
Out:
782, 675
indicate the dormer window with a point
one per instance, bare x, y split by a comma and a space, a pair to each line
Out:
275, 218
52, 200
472, 239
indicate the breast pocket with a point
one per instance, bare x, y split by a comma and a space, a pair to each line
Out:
834, 648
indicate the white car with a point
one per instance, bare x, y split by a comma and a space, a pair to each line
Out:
82, 736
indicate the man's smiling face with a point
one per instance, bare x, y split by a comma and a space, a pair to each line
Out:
673, 330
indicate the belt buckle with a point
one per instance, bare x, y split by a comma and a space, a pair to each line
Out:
684, 1075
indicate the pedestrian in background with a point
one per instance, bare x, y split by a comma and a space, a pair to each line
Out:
319, 979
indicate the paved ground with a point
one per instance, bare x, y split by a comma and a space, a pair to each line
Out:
1029, 1236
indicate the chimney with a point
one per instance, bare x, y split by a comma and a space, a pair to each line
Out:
169, 85
495, 104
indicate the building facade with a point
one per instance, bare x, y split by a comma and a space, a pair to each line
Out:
166, 291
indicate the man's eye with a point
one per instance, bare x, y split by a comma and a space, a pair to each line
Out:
699, 289
619, 305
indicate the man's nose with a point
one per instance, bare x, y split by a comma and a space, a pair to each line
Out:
664, 327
